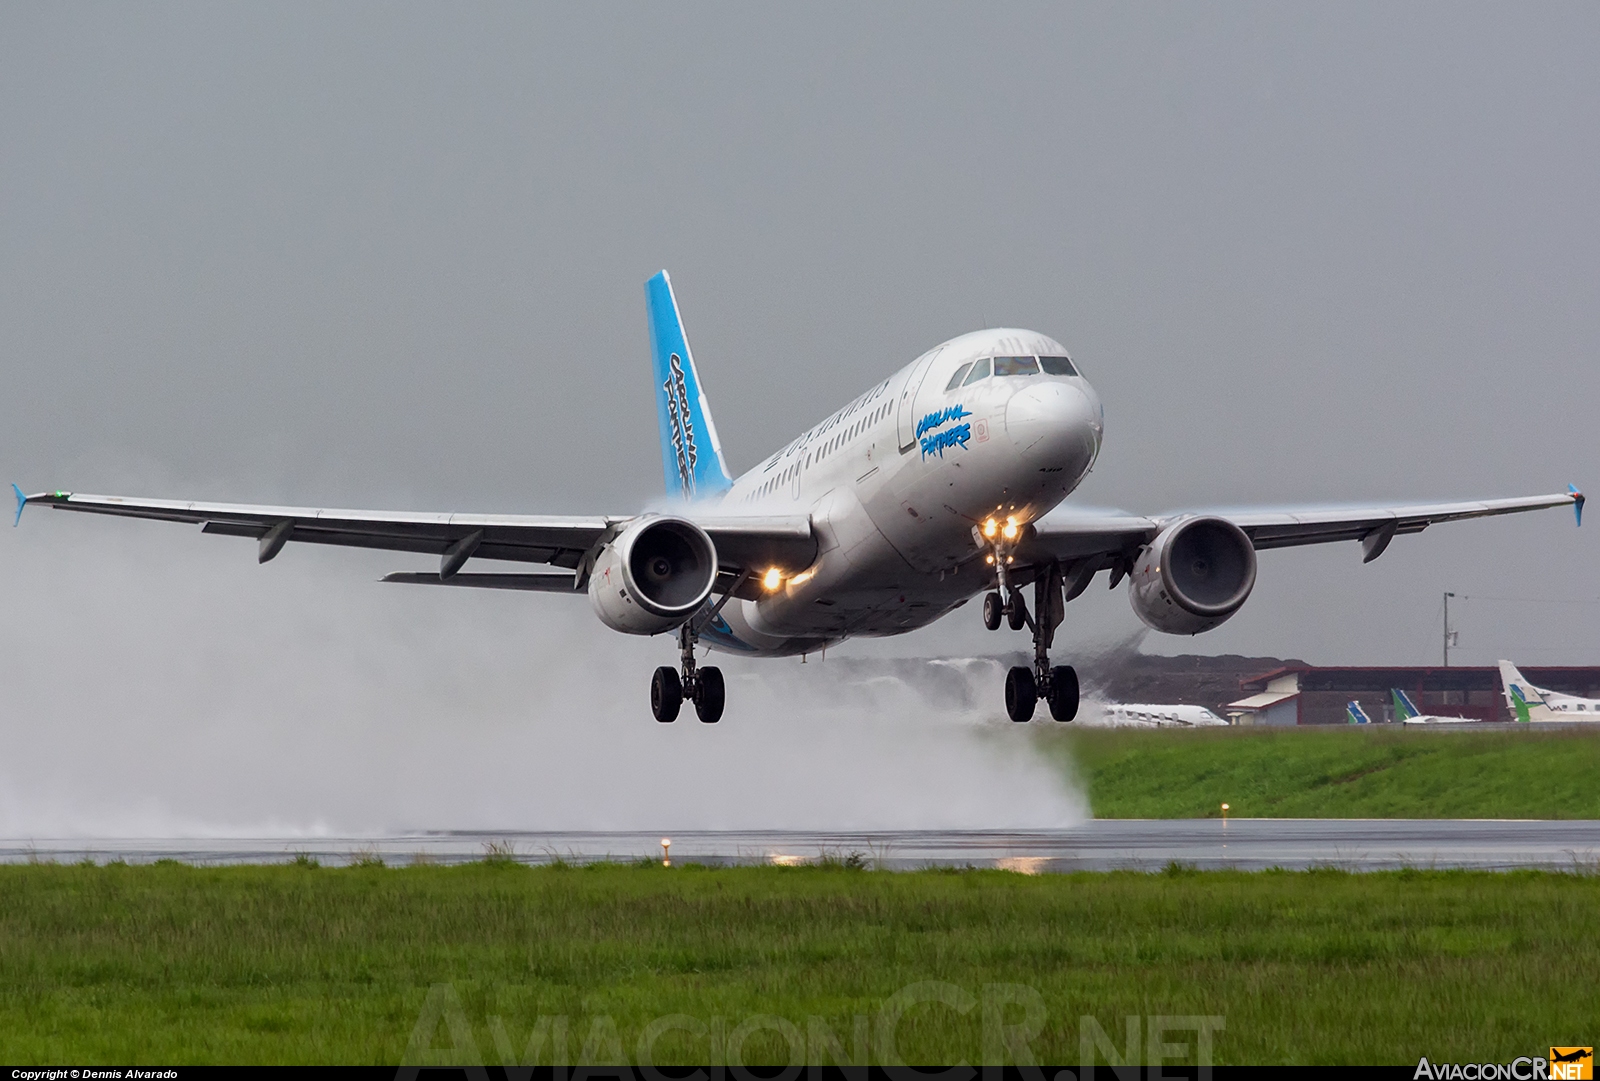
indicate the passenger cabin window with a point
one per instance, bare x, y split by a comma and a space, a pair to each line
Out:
980, 370
955, 380
1057, 366
1015, 366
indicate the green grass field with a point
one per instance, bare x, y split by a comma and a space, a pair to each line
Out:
1332, 773
173, 964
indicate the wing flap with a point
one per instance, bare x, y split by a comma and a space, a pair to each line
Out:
531, 581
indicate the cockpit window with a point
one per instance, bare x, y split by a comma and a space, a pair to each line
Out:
1057, 366
1015, 366
955, 380
980, 370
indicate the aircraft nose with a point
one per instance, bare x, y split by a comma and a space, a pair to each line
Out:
1053, 422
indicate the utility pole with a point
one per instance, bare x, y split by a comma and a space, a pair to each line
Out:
1447, 597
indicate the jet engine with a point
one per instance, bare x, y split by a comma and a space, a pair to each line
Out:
654, 576
1193, 576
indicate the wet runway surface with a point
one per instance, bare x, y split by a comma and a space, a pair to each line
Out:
1126, 844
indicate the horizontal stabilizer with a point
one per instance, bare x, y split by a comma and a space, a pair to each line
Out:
539, 583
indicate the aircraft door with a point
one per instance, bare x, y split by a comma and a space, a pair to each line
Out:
930, 396
906, 408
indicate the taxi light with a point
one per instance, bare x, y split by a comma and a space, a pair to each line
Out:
989, 527
772, 579
1010, 531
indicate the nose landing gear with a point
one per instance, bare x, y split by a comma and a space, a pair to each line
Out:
702, 686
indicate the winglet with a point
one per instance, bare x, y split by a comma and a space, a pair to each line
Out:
1577, 504
22, 501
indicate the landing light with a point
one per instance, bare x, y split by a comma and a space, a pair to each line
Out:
772, 579
1010, 531
989, 527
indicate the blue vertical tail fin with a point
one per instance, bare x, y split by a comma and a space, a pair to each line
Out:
1355, 714
691, 454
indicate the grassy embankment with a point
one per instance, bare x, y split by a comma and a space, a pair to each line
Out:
1332, 773
172, 964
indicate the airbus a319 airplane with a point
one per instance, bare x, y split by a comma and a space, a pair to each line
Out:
939, 483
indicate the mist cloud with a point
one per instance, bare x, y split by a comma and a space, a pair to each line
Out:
158, 683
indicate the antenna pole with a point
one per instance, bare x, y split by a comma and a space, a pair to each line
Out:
1447, 597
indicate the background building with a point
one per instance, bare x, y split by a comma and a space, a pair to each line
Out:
1306, 694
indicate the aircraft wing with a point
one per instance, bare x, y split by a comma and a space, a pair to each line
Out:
1284, 529
742, 541
1112, 540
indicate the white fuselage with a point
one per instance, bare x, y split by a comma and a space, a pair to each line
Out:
1572, 707
1142, 715
896, 481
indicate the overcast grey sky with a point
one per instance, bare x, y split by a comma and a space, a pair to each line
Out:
391, 255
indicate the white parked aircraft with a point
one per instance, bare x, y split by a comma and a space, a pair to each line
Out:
1406, 711
935, 485
1143, 715
1529, 703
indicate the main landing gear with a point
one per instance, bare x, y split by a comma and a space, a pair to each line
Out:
1058, 686
702, 686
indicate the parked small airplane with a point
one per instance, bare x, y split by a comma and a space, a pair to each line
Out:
1406, 710
1138, 715
938, 483
1529, 703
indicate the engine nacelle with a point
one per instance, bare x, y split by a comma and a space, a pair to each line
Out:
654, 576
1193, 576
